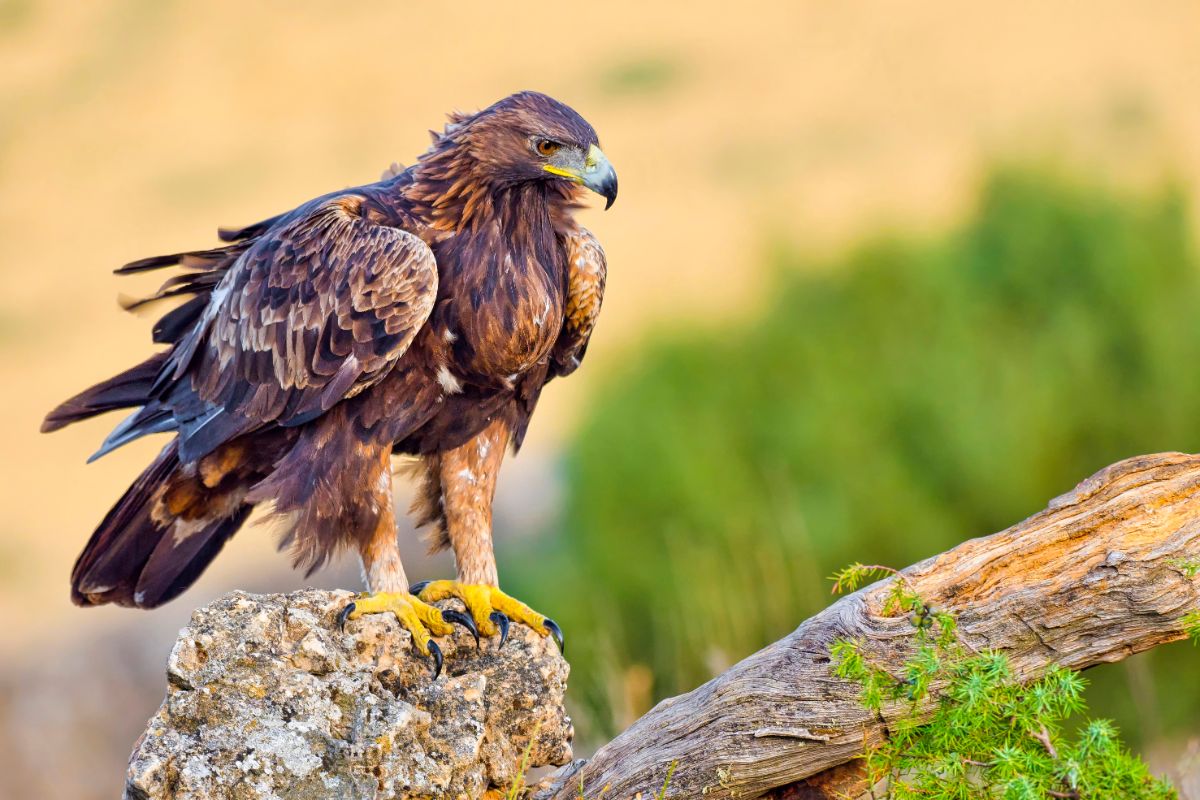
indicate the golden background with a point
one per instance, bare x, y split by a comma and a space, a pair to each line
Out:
137, 127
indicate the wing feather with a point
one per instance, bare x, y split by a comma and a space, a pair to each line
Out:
587, 270
317, 309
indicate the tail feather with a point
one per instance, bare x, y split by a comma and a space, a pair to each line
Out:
192, 259
137, 386
177, 561
130, 388
108, 568
152, 418
176, 324
143, 556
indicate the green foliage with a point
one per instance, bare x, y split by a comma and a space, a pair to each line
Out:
885, 406
1190, 567
662, 793
936, 640
1191, 624
516, 789
849, 579
989, 736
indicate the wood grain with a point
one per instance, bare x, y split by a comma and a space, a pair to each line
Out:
1093, 578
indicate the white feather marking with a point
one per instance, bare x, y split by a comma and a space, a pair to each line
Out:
450, 384
450, 336
183, 529
385, 573
219, 296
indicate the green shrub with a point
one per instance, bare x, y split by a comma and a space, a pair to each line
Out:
989, 736
884, 407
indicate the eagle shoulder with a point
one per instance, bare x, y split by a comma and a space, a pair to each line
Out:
587, 270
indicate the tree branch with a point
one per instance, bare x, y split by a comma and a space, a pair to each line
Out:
1094, 578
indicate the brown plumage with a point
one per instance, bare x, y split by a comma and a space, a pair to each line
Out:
419, 315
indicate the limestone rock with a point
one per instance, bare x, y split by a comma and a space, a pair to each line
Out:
267, 699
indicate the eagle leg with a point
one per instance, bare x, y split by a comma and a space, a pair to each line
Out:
490, 608
460, 484
422, 620
384, 572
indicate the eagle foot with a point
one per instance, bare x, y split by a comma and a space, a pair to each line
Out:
421, 620
490, 608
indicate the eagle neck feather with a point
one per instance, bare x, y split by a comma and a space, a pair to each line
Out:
454, 191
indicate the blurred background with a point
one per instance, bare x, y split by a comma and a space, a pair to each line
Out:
883, 276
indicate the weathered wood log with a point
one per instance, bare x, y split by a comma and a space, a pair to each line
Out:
1094, 578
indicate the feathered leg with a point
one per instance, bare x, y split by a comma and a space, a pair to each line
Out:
388, 586
468, 482
467, 477
383, 570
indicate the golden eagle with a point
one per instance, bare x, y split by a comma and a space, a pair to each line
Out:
419, 315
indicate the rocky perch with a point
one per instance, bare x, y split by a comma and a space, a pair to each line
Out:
266, 698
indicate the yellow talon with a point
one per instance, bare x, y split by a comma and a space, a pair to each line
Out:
483, 601
419, 618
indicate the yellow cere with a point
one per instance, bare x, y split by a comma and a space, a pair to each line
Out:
553, 170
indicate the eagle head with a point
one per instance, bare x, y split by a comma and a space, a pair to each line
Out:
529, 136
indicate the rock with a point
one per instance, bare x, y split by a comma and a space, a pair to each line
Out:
267, 699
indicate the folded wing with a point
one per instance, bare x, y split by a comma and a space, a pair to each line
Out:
318, 308
587, 270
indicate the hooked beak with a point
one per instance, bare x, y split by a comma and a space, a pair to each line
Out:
597, 174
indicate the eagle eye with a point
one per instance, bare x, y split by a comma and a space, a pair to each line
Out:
547, 147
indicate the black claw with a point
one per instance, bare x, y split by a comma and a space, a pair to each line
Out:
418, 586
343, 615
500, 620
556, 632
436, 652
450, 615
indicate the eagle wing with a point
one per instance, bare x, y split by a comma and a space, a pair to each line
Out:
587, 269
317, 309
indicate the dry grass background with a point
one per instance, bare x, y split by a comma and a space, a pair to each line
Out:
133, 127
